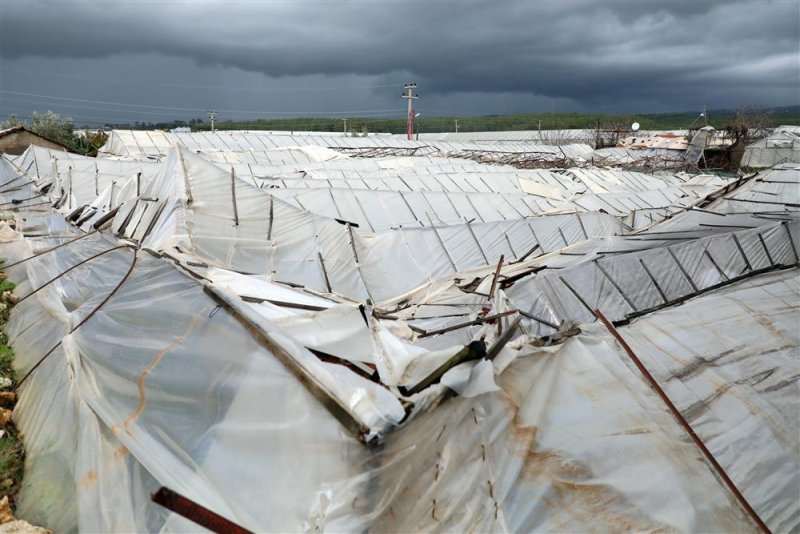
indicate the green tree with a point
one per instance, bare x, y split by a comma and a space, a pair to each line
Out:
90, 141
11, 122
55, 127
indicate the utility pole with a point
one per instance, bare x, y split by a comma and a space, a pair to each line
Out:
344, 129
456, 121
705, 114
212, 114
410, 97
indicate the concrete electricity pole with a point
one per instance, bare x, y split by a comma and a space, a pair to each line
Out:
345, 126
410, 97
456, 121
212, 114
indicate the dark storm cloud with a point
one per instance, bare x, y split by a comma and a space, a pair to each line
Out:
584, 51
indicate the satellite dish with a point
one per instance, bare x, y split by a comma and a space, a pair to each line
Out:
635, 126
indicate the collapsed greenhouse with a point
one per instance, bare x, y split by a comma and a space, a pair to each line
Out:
341, 334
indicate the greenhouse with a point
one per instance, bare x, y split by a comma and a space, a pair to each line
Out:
301, 332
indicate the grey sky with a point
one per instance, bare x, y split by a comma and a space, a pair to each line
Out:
149, 61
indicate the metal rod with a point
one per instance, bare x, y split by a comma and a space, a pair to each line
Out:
441, 242
476, 241
684, 423
192, 511
791, 241
62, 273
494, 278
82, 321
468, 323
233, 198
324, 272
577, 296
652, 279
741, 251
318, 389
683, 270
766, 250
189, 197
714, 263
509, 244
269, 228
583, 228
495, 349
616, 286
474, 351
561, 233
531, 251
352, 241
538, 319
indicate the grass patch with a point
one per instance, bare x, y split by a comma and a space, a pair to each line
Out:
12, 453
7, 285
12, 461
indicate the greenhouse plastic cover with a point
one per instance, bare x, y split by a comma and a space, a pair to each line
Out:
138, 144
552, 448
194, 212
163, 366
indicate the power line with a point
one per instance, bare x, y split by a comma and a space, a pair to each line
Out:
194, 110
314, 87
82, 106
261, 124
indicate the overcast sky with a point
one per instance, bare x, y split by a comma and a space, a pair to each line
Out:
155, 60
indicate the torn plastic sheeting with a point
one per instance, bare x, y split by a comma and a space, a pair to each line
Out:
447, 250
143, 387
67, 300
627, 202
552, 450
339, 331
502, 460
294, 240
599, 180
641, 219
471, 379
777, 189
82, 177
378, 414
257, 288
549, 191
403, 364
110, 198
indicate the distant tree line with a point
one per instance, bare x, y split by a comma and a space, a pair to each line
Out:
744, 123
719, 119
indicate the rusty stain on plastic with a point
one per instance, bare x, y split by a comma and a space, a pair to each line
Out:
137, 412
